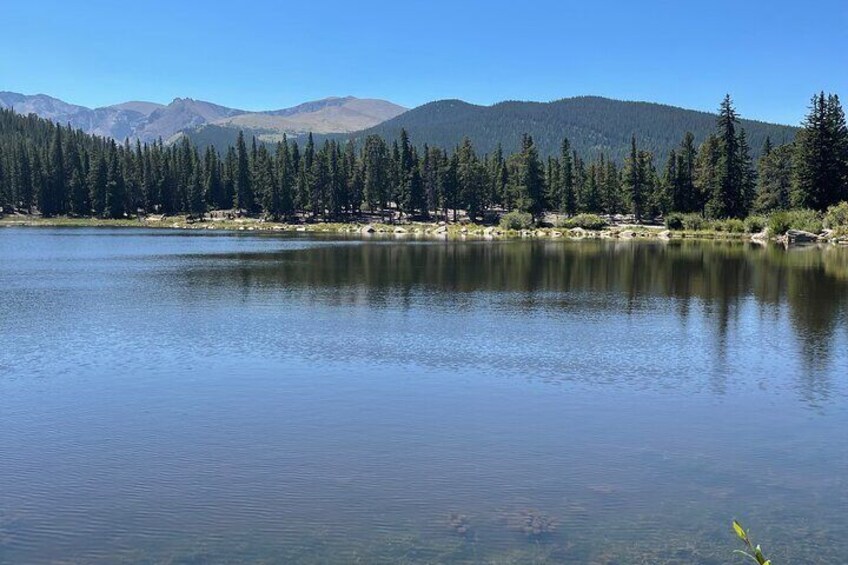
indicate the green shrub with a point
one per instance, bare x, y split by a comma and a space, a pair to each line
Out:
778, 223
755, 224
807, 220
516, 221
585, 221
802, 219
836, 218
674, 221
730, 225
695, 222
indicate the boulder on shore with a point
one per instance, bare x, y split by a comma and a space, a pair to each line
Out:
367, 229
800, 236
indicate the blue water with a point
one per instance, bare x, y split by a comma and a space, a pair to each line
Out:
174, 397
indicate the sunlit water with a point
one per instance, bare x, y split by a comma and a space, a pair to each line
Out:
190, 398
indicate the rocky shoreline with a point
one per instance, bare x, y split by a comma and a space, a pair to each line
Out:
431, 230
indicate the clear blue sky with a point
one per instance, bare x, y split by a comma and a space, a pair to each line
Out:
769, 55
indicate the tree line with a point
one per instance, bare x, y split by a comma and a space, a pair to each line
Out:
56, 170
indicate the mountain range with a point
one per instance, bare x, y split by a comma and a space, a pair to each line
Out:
593, 125
149, 121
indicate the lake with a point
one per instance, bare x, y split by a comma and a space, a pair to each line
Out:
186, 397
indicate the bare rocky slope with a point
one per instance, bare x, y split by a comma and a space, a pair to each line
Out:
149, 121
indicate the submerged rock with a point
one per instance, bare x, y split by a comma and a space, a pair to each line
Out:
459, 523
533, 523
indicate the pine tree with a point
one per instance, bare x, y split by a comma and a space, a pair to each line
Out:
285, 180
78, 204
707, 170
115, 187
5, 186
578, 176
685, 197
335, 197
244, 195
23, 179
320, 181
430, 180
196, 203
635, 175
669, 184
266, 185
471, 177
527, 181
450, 185
727, 200
774, 179
52, 191
213, 184
403, 166
767, 147
229, 179
749, 175
96, 182
375, 160
567, 197
612, 189
498, 193
592, 203
821, 156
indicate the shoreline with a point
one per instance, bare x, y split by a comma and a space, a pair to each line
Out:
428, 230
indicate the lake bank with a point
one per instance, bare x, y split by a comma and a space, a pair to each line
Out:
414, 230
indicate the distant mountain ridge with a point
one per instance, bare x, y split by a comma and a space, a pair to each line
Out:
148, 121
594, 125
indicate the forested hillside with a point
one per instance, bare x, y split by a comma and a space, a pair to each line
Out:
594, 126
57, 170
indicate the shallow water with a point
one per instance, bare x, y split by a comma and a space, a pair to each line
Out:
190, 398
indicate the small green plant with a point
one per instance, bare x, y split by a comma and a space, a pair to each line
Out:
585, 221
516, 221
751, 551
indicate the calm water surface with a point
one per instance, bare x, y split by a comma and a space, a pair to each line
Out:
170, 397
